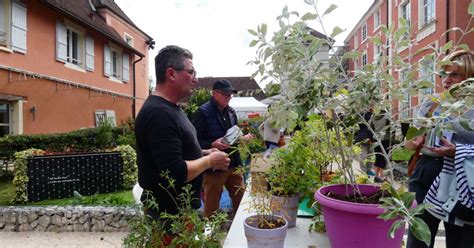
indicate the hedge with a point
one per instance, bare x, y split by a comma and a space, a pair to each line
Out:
84, 140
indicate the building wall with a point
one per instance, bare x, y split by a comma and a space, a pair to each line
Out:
60, 107
448, 14
141, 67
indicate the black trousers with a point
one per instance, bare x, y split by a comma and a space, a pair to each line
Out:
456, 236
426, 170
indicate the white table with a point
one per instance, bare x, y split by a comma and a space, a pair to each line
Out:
296, 237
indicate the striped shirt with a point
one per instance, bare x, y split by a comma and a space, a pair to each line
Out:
454, 184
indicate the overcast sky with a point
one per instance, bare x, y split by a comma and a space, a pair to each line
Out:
216, 30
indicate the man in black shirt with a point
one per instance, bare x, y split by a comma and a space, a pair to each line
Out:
166, 139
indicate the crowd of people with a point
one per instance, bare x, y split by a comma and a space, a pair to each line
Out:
195, 152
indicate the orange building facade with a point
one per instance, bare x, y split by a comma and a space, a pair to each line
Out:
64, 65
428, 22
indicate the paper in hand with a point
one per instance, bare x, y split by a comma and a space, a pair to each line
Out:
232, 135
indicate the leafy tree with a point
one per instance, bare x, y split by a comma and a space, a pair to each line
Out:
272, 89
198, 98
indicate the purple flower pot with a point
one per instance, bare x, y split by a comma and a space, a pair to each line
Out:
355, 224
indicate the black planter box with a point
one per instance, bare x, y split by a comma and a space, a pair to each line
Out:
58, 176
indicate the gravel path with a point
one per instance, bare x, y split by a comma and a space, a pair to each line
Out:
59, 240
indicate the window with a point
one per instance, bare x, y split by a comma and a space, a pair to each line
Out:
364, 32
377, 21
377, 51
116, 63
356, 40
129, 39
405, 104
73, 47
427, 74
4, 119
364, 58
405, 14
13, 26
427, 11
4, 22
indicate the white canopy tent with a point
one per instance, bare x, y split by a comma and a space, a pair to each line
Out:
246, 105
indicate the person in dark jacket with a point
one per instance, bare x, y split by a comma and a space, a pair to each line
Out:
166, 139
365, 137
211, 121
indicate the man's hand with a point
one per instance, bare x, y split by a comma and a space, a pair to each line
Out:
219, 144
219, 160
247, 137
206, 152
448, 148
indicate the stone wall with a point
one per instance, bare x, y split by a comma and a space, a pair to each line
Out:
66, 219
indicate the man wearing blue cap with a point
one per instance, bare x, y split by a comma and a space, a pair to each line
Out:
211, 121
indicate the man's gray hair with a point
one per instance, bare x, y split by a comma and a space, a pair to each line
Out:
170, 56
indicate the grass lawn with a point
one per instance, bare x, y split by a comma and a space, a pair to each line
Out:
7, 191
120, 198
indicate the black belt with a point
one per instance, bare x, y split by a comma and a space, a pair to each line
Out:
432, 158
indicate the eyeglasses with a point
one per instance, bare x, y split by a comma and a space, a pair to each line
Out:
445, 74
190, 71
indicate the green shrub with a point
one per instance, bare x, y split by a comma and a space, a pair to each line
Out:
21, 178
130, 170
84, 140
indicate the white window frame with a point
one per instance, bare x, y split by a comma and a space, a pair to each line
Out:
80, 49
13, 21
363, 32
116, 64
377, 19
426, 12
356, 40
405, 13
377, 52
426, 72
364, 59
5, 22
129, 39
405, 104
9, 123
74, 56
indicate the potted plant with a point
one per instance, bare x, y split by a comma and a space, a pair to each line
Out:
309, 85
264, 228
300, 168
184, 229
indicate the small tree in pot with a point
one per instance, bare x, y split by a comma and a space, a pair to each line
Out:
308, 84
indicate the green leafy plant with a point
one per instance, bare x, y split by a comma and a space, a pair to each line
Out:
400, 207
307, 84
197, 98
184, 229
21, 178
130, 169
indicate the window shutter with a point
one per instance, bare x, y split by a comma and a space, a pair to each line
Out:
107, 62
18, 28
3, 31
61, 42
126, 67
89, 53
